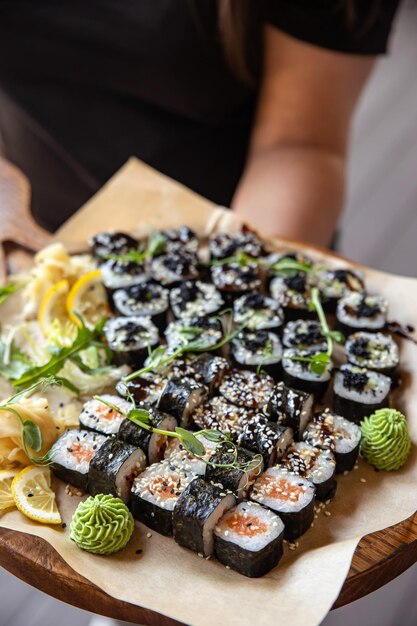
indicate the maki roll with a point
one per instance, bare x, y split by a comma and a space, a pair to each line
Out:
298, 374
181, 458
146, 299
303, 334
113, 468
155, 493
239, 480
97, 416
191, 299
292, 292
72, 453
360, 311
171, 269
181, 239
131, 338
247, 388
318, 466
248, 538
375, 351
291, 407
257, 312
336, 284
180, 397
121, 274
206, 368
221, 415
145, 389
359, 392
288, 495
329, 431
234, 279
258, 350
103, 245
206, 331
223, 245
153, 444
196, 513
275, 258
266, 438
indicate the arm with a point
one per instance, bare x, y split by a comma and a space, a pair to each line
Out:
294, 179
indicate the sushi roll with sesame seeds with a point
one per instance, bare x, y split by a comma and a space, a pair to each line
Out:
318, 466
266, 438
359, 392
180, 397
247, 388
275, 258
304, 334
196, 513
257, 312
361, 311
121, 274
207, 369
181, 458
153, 444
103, 245
114, 467
182, 239
335, 284
290, 407
146, 299
156, 492
239, 480
292, 292
171, 269
206, 331
224, 416
288, 495
257, 350
195, 298
97, 416
329, 431
248, 538
234, 279
375, 351
145, 389
224, 245
299, 375
131, 338
72, 453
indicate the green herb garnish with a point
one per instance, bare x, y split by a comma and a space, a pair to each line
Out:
8, 290
156, 245
282, 266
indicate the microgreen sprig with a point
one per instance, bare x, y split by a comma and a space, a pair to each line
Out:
156, 245
283, 266
9, 289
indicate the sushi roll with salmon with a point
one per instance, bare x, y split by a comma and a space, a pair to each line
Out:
239, 480
224, 245
224, 416
359, 392
329, 431
180, 397
375, 351
156, 492
266, 438
292, 292
114, 467
172, 269
257, 312
104, 245
247, 388
181, 458
336, 284
153, 444
361, 311
288, 495
233, 279
316, 465
72, 453
145, 389
98, 416
146, 299
304, 334
194, 299
248, 538
196, 514
257, 350
290, 407
130, 339
298, 374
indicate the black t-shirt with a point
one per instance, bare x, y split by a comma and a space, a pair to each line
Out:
98, 81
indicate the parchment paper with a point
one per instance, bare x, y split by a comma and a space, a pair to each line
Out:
175, 581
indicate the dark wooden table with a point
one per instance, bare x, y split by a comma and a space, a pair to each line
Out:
379, 558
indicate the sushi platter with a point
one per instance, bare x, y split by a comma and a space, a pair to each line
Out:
232, 394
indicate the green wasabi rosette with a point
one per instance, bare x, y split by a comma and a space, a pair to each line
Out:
102, 525
385, 443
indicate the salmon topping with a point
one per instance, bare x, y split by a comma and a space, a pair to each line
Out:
106, 413
165, 486
282, 489
81, 452
246, 525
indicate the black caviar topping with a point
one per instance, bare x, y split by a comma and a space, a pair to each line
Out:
254, 301
360, 348
364, 309
354, 380
254, 341
125, 267
180, 264
297, 282
188, 292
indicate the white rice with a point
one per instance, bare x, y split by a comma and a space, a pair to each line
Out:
352, 300
314, 464
177, 456
149, 484
122, 280
130, 306
61, 449
301, 369
208, 300
333, 432
269, 316
274, 490
383, 350
262, 524
245, 356
121, 338
98, 416
376, 389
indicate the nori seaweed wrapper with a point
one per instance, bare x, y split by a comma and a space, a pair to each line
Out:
247, 562
286, 406
229, 477
105, 466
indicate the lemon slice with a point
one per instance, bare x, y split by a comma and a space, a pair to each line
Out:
52, 306
6, 497
33, 496
88, 298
